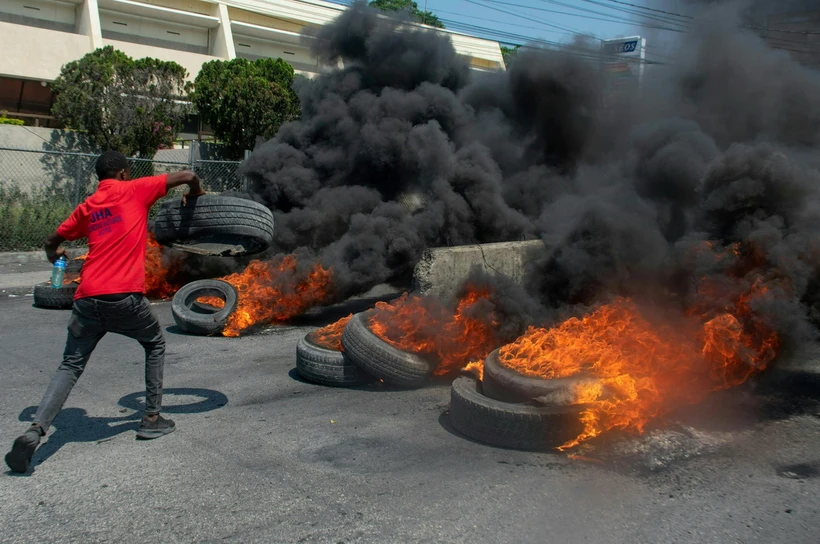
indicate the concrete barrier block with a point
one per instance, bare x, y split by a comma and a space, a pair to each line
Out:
442, 270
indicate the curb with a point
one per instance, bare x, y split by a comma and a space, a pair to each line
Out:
22, 257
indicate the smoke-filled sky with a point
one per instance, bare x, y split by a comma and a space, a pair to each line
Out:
405, 149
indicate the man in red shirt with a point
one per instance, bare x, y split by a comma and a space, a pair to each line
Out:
110, 296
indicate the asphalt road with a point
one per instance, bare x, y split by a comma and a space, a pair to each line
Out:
260, 456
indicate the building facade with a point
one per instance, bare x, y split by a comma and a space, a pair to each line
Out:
38, 37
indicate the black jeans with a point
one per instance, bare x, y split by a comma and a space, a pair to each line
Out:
90, 319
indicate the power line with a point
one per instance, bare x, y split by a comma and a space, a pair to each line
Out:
650, 9
584, 15
491, 21
651, 17
517, 39
567, 29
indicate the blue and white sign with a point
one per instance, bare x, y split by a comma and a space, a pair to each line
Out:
622, 64
621, 47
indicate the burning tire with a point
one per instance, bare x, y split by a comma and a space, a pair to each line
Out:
378, 358
507, 385
45, 296
507, 425
203, 320
215, 225
326, 366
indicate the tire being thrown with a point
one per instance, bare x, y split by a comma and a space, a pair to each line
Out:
514, 426
507, 385
326, 366
378, 358
45, 296
201, 321
216, 225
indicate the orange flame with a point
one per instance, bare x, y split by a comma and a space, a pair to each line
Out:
157, 271
275, 290
643, 369
216, 302
423, 325
476, 367
330, 336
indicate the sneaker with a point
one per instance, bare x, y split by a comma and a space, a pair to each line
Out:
19, 458
154, 429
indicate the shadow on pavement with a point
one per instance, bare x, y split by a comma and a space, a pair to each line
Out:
75, 425
211, 400
174, 329
375, 386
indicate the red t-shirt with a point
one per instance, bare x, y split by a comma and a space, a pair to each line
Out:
115, 220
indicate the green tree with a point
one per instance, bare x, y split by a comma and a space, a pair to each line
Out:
509, 53
132, 106
424, 17
243, 100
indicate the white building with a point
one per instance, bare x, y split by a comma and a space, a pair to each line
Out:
37, 37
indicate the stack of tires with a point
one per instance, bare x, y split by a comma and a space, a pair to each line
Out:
511, 410
219, 226
503, 408
364, 358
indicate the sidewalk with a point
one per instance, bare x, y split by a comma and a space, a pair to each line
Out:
19, 279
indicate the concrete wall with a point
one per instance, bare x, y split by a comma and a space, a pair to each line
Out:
22, 163
189, 32
190, 61
43, 139
441, 271
38, 53
30, 170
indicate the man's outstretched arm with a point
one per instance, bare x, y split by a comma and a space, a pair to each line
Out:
186, 177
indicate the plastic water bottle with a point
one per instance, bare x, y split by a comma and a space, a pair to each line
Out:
58, 272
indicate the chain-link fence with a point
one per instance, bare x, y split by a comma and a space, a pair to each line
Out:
39, 189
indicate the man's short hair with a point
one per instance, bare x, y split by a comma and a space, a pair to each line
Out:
109, 163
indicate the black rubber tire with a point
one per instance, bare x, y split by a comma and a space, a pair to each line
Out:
207, 323
507, 385
325, 366
45, 296
378, 358
515, 426
219, 219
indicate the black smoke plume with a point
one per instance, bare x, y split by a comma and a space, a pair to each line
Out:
403, 148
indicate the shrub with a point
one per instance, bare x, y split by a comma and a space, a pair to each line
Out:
7, 121
26, 219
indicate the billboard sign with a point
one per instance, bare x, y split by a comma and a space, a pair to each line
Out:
621, 46
623, 66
